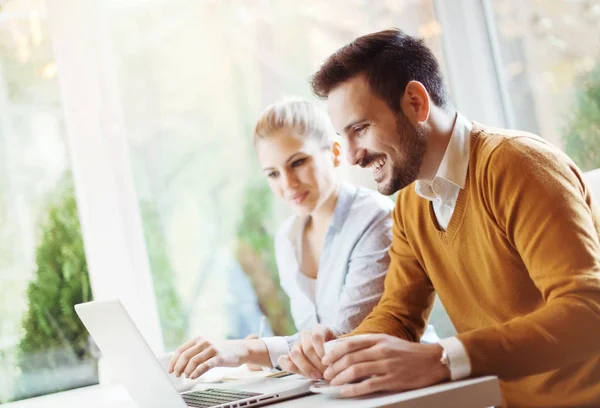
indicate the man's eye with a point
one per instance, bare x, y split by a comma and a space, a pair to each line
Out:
359, 130
298, 162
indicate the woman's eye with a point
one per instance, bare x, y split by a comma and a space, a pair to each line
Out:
299, 162
273, 174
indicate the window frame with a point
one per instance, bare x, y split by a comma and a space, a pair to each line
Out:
106, 197
469, 35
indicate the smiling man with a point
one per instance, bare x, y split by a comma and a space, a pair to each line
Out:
499, 223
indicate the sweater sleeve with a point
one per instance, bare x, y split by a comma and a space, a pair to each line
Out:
408, 293
536, 195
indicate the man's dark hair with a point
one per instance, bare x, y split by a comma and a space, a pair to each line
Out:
389, 60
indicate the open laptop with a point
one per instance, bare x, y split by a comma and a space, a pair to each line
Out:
128, 353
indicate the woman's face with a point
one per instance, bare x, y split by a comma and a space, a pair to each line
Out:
301, 172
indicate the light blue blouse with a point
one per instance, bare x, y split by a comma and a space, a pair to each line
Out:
353, 262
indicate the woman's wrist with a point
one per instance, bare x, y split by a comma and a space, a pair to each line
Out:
257, 353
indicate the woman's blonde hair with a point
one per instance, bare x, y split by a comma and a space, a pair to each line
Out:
305, 118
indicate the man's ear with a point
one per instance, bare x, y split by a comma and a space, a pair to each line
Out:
415, 102
336, 152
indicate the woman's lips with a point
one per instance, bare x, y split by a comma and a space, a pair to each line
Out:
299, 198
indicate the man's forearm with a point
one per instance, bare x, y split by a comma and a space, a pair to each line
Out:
382, 320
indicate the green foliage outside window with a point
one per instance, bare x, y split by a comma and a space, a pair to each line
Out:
256, 254
582, 135
170, 307
54, 352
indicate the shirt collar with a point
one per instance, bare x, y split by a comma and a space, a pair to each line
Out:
455, 162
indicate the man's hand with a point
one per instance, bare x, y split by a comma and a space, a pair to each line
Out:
305, 356
386, 363
199, 355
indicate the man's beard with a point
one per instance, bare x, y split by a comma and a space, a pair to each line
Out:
414, 148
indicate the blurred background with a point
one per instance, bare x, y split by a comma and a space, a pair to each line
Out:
163, 156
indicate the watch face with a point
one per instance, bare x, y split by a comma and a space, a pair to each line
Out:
445, 360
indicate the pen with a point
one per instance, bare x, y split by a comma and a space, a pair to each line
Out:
261, 326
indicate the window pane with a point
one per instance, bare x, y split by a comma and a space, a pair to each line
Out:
550, 64
43, 273
193, 78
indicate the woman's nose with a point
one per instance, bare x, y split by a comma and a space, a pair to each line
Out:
289, 179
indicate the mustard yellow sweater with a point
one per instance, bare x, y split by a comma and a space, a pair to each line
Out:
518, 271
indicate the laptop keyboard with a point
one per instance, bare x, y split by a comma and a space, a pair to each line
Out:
213, 396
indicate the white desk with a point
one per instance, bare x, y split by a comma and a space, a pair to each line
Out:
474, 393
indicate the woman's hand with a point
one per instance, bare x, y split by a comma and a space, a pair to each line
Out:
199, 355
305, 356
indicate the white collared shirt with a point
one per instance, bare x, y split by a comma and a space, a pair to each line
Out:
443, 191
451, 175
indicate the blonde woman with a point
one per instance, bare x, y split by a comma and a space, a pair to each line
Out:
331, 255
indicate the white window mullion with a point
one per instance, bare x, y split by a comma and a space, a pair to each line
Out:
106, 197
472, 62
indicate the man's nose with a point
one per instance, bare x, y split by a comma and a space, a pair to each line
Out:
352, 153
355, 155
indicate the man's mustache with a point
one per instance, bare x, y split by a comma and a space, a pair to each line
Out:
369, 159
